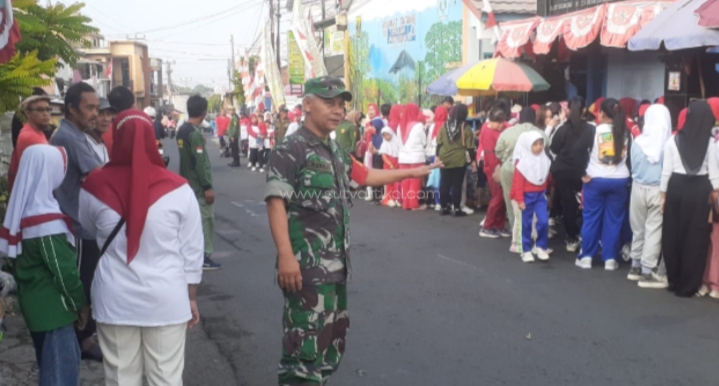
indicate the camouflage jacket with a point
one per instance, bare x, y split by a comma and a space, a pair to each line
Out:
313, 178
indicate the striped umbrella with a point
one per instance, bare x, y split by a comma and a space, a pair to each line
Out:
492, 76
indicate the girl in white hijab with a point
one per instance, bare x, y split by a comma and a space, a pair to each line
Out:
37, 236
390, 158
645, 208
529, 189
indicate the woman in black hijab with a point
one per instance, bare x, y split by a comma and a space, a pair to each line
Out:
689, 157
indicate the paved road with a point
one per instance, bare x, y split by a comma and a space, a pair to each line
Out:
433, 304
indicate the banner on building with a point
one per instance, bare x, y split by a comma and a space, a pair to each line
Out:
306, 41
334, 41
295, 62
272, 70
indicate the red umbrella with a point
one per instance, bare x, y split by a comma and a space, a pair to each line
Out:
709, 14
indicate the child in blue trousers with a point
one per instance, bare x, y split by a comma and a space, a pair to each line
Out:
529, 188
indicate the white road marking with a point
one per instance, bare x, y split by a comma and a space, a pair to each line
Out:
246, 209
456, 261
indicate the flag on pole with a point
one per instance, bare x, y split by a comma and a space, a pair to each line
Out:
491, 20
307, 42
9, 31
108, 71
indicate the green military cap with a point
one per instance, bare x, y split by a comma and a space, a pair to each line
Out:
327, 87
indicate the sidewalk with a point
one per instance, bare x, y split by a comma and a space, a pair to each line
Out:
17, 356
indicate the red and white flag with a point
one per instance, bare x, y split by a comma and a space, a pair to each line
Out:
108, 71
9, 31
491, 20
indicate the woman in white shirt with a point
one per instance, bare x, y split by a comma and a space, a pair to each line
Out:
606, 186
144, 288
411, 154
689, 174
256, 143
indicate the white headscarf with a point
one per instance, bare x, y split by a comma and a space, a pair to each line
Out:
657, 130
33, 211
535, 168
391, 147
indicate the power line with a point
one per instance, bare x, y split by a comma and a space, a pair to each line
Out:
202, 25
192, 21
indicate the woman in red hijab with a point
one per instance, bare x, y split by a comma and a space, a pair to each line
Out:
395, 115
411, 154
147, 221
681, 120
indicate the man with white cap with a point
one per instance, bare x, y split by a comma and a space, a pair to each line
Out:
37, 110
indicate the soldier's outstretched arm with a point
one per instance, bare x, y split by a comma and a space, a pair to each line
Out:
380, 177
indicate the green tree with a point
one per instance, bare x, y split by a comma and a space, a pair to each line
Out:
359, 67
202, 90
238, 89
20, 75
444, 45
52, 31
214, 103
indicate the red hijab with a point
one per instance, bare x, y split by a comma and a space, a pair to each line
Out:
376, 112
395, 116
412, 115
135, 178
682, 120
440, 118
629, 105
714, 105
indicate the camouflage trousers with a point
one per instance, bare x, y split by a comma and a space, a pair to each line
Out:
315, 324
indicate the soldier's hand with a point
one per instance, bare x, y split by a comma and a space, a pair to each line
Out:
288, 274
82, 317
210, 196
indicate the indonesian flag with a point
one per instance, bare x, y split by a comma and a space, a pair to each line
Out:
108, 71
9, 31
491, 20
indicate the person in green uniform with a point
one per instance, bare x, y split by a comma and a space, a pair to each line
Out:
308, 200
196, 168
348, 132
455, 148
233, 132
37, 236
281, 125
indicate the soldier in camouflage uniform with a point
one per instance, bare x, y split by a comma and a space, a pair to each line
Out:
308, 200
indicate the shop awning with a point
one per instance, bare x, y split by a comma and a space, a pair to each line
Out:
614, 23
677, 28
515, 35
709, 14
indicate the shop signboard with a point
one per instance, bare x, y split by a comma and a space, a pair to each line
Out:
296, 61
560, 7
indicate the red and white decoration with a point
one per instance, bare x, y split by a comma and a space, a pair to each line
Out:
613, 23
9, 31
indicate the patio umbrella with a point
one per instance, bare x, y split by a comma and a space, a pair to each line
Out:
491, 76
677, 28
709, 14
446, 85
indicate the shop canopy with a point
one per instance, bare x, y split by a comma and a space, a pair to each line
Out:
677, 28
614, 24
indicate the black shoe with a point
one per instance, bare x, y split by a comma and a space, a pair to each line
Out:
210, 265
445, 212
459, 213
93, 354
234, 164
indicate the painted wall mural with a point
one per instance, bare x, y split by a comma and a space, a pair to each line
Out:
397, 48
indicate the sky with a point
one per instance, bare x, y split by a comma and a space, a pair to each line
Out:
195, 34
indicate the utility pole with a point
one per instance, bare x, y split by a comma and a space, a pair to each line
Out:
169, 78
272, 22
277, 49
231, 67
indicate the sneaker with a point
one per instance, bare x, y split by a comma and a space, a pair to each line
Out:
654, 281
262, 170
552, 221
254, 169
703, 291
584, 263
392, 204
459, 213
527, 257
552, 232
505, 233
211, 265
445, 212
714, 294
542, 254
467, 210
489, 233
635, 274
572, 246
611, 265
438, 208
626, 252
